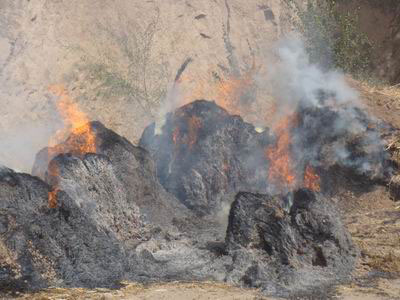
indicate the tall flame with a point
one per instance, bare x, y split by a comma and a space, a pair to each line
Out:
76, 126
77, 136
281, 171
194, 126
231, 91
283, 167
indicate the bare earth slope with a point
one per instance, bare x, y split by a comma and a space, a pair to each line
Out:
119, 58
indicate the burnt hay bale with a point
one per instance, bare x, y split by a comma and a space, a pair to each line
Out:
307, 246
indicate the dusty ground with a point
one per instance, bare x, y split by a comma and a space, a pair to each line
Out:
177, 291
374, 223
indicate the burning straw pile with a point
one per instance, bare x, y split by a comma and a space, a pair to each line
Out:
206, 197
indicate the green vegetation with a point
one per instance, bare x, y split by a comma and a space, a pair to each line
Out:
332, 38
122, 64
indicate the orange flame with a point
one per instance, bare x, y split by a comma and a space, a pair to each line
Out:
81, 137
282, 166
53, 175
228, 91
53, 197
194, 125
311, 179
280, 171
175, 135
77, 137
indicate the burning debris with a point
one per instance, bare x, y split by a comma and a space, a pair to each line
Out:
107, 204
330, 127
204, 154
280, 172
102, 210
140, 186
311, 180
52, 245
77, 134
76, 137
111, 208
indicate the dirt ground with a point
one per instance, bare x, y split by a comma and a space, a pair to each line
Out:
176, 291
374, 223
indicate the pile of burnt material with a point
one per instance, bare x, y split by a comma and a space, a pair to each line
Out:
80, 225
281, 252
130, 169
204, 155
342, 141
94, 219
101, 210
306, 246
42, 246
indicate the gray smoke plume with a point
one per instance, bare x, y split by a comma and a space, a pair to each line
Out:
294, 79
331, 126
172, 99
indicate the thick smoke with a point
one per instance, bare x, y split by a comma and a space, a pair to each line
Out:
201, 150
331, 126
294, 79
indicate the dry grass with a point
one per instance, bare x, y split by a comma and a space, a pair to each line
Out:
173, 290
378, 237
374, 223
381, 100
386, 262
390, 91
9, 259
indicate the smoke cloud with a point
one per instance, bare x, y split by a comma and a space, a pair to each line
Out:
331, 126
294, 79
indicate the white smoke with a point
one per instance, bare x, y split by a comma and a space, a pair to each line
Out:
170, 102
293, 78
338, 116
